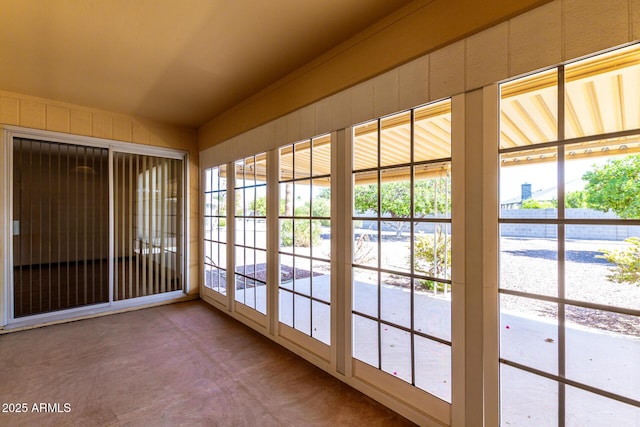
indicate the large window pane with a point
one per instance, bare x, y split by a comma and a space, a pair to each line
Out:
395, 139
527, 399
365, 340
432, 132
301, 197
321, 239
528, 110
572, 248
432, 250
432, 190
302, 276
395, 248
286, 307
395, 299
302, 159
432, 308
601, 93
603, 349
396, 352
599, 264
402, 246
286, 236
250, 234
321, 321
529, 332
529, 184
287, 272
529, 258
601, 179
589, 409
433, 367
305, 236
215, 228
365, 194
321, 281
365, 291
365, 146
321, 152
302, 314
365, 242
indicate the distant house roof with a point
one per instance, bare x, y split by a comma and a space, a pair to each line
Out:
547, 194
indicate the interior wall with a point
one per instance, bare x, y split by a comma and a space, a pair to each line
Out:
418, 28
39, 113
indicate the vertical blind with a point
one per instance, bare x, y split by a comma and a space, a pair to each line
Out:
60, 226
148, 199
61, 210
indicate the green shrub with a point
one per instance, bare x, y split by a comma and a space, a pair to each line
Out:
302, 237
627, 262
537, 204
432, 253
429, 285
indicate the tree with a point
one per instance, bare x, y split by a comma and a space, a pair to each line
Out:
395, 199
259, 206
572, 200
615, 186
306, 232
575, 199
321, 206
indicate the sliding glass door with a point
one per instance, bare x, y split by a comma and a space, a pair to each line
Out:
147, 217
60, 226
64, 249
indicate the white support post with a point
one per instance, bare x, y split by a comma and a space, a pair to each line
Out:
273, 241
475, 224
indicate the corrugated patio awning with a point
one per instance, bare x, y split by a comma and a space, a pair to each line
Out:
595, 104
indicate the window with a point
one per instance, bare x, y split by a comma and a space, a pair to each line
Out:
569, 222
401, 264
251, 232
305, 239
215, 229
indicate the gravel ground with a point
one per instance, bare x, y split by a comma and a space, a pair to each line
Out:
530, 265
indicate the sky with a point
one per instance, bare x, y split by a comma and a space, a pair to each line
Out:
543, 176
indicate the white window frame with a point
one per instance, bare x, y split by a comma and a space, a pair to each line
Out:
561, 223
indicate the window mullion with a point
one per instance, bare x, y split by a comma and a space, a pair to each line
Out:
273, 241
231, 226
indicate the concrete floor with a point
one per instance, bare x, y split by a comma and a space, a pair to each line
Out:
180, 364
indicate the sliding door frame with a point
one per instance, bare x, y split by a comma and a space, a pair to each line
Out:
7, 317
